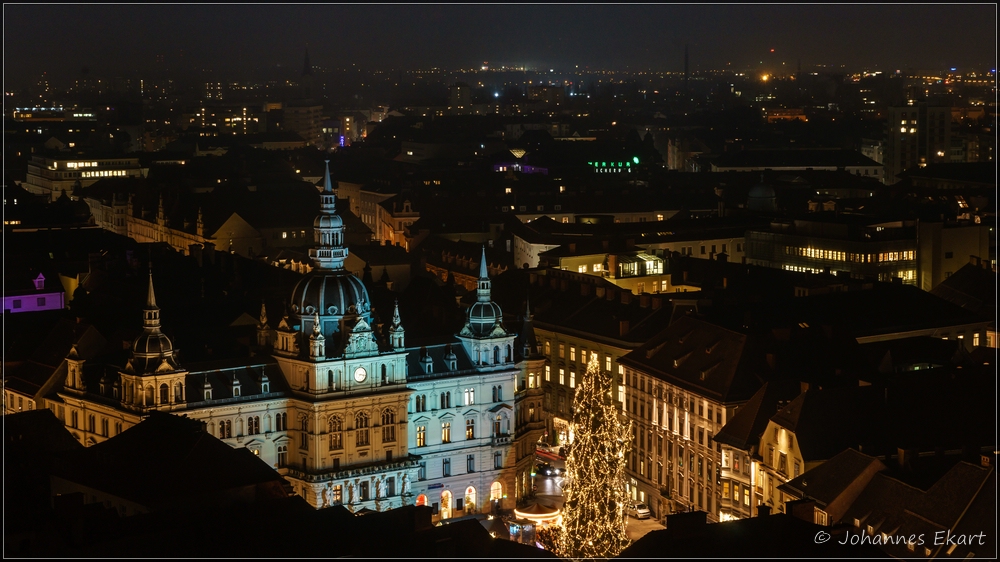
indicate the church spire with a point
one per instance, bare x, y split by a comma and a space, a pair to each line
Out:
328, 230
151, 312
484, 290
396, 333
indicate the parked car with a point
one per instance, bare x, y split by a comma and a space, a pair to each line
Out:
638, 510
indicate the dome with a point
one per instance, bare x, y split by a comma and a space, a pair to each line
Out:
761, 191
328, 221
482, 317
329, 293
152, 343
150, 350
762, 198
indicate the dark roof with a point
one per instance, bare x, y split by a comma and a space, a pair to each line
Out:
776, 536
954, 501
828, 481
880, 418
973, 172
794, 158
972, 287
166, 459
701, 357
743, 429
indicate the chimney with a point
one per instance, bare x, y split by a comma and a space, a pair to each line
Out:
725, 282
644, 300
685, 274
563, 285
611, 294
194, 250
801, 509
905, 457
626, 297
210, 252
723, 257
532, 278
657, 302
974, 260
572, 247
763, 510
803, 386
584, 289
622, 327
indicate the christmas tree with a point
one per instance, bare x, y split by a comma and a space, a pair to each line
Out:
594, 512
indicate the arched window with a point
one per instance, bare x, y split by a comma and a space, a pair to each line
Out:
499, 393
336, 429
496, 355
280, 422
510, 356
385, 377
148, 396
225, 429
446, 505
421, 500
496, 491
496, 426
282, 456
253, 425
470, 428
178, 392
330, 383
494, 394
361, 429
91, 423
164, 394
388, 425
470, 500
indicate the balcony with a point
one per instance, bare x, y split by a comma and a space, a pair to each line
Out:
501, 440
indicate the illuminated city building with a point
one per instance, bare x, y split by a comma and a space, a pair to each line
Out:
681, 388
917, 134
52, 175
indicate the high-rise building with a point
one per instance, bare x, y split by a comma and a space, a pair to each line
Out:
917, 134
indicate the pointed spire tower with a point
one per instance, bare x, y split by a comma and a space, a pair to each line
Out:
328, 228
484, 336
337, 297
485, 287
529, 342
396, 333
263, 330
152, 359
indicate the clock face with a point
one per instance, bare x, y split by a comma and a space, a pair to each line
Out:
360, 374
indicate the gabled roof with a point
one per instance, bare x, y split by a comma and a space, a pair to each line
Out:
166, 459
831, 480
701, 357
744, 429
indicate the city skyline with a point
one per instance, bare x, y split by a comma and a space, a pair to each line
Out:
91, 40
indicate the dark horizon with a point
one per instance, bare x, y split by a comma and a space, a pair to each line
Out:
68, 41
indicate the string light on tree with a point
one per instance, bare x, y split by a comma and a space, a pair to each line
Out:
594, 512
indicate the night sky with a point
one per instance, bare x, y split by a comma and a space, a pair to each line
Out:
106, 39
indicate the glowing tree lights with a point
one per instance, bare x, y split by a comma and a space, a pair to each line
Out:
594, 512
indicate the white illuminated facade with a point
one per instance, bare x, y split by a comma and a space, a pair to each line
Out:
50, 176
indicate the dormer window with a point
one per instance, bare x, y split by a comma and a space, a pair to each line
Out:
39, 282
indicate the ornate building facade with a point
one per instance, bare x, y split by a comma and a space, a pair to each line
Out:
343, 413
